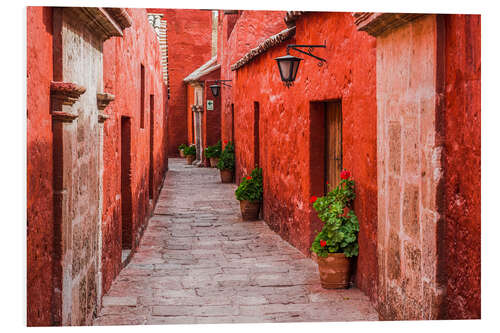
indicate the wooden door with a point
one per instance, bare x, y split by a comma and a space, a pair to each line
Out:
333, 146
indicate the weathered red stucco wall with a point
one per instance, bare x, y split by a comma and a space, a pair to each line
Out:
237, 34
289, 122
462, 165
40, 233
189, 39
122, 59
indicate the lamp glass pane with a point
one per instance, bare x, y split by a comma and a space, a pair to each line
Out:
285, 69
295, 68
215, 90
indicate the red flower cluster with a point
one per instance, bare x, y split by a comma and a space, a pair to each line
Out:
346, 211
248, 177
322, 243
225, 142
313, 199
345, 174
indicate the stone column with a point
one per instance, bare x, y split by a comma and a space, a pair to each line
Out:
63, 96
103, 99
410, 68
198, 128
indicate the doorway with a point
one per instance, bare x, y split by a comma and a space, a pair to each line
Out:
126, 192
333, 143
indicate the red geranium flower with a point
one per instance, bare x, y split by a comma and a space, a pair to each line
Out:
346, 211
327, 183
225, 142
248, 177
313, 199
345, 174
322, 243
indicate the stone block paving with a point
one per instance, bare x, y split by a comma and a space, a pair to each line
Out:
198, 262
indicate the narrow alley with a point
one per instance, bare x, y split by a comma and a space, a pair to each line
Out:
198, 262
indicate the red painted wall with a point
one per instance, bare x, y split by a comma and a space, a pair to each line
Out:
189, 46
462, 165
40, 233
122, 77
237, 34
287, 124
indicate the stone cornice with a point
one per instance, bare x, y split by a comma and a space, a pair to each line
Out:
102, 117
291, 17
66, 93
263, 47
100, 21
121, 16
377, 23
103, 99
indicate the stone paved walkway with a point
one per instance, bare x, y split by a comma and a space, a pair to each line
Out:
198, 262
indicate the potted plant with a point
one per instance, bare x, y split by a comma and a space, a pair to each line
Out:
249, 193
213, 153
337, 242
181, 150
226, 163
190, 152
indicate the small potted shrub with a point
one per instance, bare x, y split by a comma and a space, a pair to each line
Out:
213, 153
190, 152
181, 150
337, 242
249, 193
226, 163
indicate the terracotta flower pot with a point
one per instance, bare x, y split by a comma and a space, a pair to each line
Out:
190, 159
213, 161
249, 210
334, 271
181, 153
226, 176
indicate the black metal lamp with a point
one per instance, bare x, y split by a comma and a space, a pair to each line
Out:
288, 65
216, 87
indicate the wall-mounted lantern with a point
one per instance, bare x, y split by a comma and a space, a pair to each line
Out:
288, 65
216, 87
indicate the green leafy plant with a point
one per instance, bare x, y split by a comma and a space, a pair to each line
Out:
251, 187
214, 151
341, 226
190, 150
183, 146
226, 161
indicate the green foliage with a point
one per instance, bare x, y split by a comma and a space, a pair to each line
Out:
226, 161
190, 150
251, 187
340, 231
183, 146
213, 151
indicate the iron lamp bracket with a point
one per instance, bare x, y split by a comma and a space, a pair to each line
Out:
310, 48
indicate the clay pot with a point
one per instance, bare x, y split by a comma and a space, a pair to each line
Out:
226, 176
181, 153
213, 161
334, 271
190, 159
249, 210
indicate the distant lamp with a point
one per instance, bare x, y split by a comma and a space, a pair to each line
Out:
288, 65
216, 87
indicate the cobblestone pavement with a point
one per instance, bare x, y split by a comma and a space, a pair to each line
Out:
198, 262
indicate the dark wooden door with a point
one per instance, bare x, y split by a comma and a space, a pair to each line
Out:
333, 121
126, 190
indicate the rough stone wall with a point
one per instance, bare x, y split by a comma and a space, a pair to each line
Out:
190, 46
40, 233
289, 153
238, 33
122, 77
409, 171
462, 165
